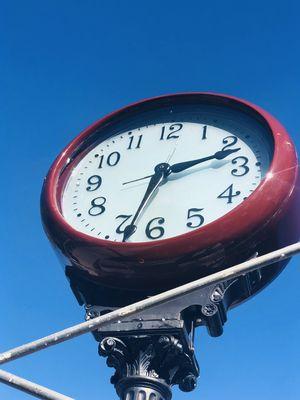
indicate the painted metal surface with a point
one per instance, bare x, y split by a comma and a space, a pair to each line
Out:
265, 221
90, 325
31, 388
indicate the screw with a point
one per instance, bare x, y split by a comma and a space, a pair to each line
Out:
164, 340
92, 314
217, 295
209, 309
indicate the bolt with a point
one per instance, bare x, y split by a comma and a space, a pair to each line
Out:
164, 340
209, 309
139, 325
217, 295
188, 383
92, 314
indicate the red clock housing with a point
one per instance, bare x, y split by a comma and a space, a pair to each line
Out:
265, 221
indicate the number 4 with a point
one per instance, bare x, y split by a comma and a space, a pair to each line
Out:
230, 194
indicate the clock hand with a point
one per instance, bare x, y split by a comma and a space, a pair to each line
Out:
149, 176
160, 173
219, 155
178, 167
139, 179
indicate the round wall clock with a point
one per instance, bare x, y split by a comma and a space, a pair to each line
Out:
170, 189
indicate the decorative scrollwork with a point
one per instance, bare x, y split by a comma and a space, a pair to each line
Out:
157, 358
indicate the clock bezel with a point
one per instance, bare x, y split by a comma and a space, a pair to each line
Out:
262, 207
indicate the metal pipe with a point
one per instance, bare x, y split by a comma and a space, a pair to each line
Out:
31, 388
116, 315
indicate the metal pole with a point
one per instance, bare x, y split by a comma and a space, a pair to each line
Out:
31, 388
113, 316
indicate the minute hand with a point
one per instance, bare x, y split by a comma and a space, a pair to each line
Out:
219, 155
158, 177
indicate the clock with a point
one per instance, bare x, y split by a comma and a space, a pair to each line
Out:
197, 164
170, 189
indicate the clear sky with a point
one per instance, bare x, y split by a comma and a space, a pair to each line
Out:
66, 63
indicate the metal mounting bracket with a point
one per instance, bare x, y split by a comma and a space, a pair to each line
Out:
154, 349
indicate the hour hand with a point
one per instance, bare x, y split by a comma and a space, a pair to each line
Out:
219, 155
178, 167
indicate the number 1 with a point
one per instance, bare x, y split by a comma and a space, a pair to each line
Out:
204, 132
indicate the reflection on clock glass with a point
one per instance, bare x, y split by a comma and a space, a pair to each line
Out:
208, 160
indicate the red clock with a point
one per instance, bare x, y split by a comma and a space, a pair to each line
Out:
171, 189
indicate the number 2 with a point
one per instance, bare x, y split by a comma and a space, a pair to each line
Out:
229, 141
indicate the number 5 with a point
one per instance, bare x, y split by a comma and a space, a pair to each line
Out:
192, 213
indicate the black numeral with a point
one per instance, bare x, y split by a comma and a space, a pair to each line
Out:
230, 194
94, 183
137, 144
204, 130
172, 129
229, 141
242, 169
120, 228
155, 232
111, 160
97, 206
198, 218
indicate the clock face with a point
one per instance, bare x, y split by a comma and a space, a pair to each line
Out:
115, 193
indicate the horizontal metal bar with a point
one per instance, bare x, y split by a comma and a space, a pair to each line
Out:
120, 313
28, 387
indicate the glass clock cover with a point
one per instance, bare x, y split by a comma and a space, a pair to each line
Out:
231, 152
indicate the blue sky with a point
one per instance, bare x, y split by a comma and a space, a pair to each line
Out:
64, 64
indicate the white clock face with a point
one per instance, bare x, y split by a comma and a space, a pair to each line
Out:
103, 194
